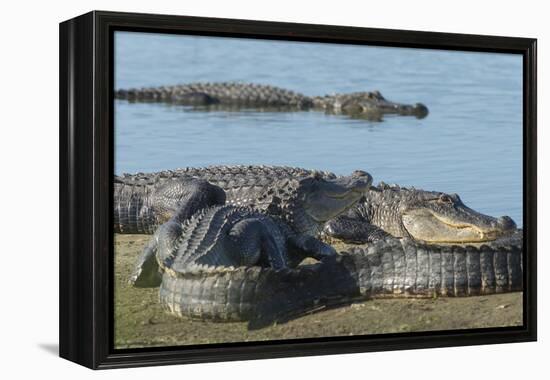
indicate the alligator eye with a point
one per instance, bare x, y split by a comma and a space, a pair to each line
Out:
444, 198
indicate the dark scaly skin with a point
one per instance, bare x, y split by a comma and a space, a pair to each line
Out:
379, 215
224, 174
187, 251
387, 268
200, 236
367, 105
194, 195
141, 204
211, 265
144, 201
301, 205
404, 268
256, 294
427, 216
141, 208
220, 238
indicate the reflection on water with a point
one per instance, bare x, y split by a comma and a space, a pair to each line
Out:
470, 143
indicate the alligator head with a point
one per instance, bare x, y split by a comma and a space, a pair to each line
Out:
434, 217
373, 105
316, 199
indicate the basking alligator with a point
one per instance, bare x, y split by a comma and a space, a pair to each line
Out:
231, 263
227, 263
222, 237
369, 105
141, 205
302, 198
427, 216
297, 208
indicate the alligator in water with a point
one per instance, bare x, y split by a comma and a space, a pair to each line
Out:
402, 212
368, 105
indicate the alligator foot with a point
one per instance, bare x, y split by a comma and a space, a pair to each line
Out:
303, 246
352, 231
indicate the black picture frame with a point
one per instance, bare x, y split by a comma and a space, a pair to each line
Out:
86, 176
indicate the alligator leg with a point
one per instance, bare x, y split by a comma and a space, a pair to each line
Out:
302, 246
147, 272
254, 243
353, 230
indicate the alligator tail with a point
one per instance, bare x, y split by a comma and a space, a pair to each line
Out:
131, 215
258, 295
263, 296
405, 269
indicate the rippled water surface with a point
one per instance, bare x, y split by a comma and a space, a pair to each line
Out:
470, 143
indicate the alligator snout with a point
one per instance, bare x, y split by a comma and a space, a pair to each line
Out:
360, 180
420, 110
417, 110
360, 173
506, 223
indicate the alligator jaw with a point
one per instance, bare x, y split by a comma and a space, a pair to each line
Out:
331, 198
419, 110
338, 205
425, 225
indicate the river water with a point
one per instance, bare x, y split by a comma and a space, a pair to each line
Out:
470, 143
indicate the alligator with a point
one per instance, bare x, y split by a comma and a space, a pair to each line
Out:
367, 105
427, 216
298, 207
229, 263
203, 234
221, 237
399, 211
304, 199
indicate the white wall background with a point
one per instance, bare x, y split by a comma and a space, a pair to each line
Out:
29, 187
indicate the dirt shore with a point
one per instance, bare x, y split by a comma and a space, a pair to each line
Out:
140, 322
